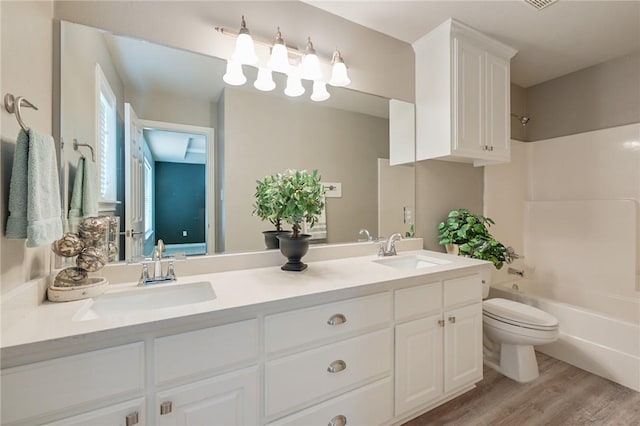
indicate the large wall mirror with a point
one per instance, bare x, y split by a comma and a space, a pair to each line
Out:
186, 149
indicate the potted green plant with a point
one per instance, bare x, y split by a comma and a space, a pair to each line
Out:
267, 208
299, 199
469, 235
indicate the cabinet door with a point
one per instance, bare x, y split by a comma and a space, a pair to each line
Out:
463, 347
418, 363
126, 414
498, 108
468, 98
226, 400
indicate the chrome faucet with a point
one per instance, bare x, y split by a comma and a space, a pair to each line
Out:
158, 277
388, 246
514, 271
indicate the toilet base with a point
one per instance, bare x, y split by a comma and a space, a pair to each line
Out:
518, 362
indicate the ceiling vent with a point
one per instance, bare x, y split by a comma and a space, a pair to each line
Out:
540, 4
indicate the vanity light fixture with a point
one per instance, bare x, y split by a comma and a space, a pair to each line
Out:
264, 82
320, 91
288, 60
234, 75
311, 63
294, 84
245, 52
279, 60
339, 76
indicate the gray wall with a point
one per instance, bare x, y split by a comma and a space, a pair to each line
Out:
274, 134
602, 96
518, 106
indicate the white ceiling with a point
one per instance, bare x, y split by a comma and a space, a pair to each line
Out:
564, 37
176, 147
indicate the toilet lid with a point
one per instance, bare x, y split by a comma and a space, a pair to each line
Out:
518, 314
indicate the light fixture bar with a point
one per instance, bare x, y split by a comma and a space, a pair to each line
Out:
264, 42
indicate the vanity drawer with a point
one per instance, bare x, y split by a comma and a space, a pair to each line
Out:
56, 385
421, 300
366, 406
211, 349
463, 290
295, 328
295, 380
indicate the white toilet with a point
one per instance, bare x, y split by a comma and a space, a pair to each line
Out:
511, 329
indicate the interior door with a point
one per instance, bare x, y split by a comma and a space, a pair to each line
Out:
134, 185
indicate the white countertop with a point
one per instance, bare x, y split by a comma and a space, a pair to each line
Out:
234, 290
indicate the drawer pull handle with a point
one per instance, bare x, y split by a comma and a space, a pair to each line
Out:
452, 320
165, 408
338, 420
337, 366
132, 419
337, 319
441, 323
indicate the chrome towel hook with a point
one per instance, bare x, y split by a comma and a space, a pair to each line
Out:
13, 104
76, 145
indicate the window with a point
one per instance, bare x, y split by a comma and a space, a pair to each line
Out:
106, 129
148, 198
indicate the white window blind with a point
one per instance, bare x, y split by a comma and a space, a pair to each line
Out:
148, 197
106, 129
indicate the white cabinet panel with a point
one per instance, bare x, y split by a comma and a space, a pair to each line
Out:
305, 326
418, 363
463, 346
301, 378
421, 300
129, 413
366, 406
464, 290
229, 400
188, 354
402, 133
468, 95
53, 386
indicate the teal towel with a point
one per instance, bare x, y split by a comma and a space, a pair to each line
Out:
34, 191
84, 202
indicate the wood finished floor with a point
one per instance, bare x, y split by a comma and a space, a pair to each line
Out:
563, 395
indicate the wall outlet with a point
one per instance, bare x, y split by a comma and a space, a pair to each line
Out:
184, 233
407, 215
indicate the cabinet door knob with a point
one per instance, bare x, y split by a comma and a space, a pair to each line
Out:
337, 366
132, 419
441, 323
165, 408
338, 420
337, 319
452, 320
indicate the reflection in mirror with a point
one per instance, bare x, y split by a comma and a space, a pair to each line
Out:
203, 146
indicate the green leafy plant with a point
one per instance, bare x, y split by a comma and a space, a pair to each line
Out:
471, 233
266, 206
299, 198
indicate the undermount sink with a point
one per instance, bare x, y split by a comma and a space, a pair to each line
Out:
146, 299
411, 262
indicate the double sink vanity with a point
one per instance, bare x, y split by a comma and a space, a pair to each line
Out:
358, 340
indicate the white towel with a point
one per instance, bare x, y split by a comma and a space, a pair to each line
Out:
34, 191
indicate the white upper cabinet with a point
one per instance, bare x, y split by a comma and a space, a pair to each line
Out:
462, 96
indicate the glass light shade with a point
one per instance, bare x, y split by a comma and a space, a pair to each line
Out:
279, 60
339, 76
311, 67
234, 75
294, 84
264, 81
245, 52
320, 93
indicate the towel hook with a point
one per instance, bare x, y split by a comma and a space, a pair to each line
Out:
76, 144
13, 104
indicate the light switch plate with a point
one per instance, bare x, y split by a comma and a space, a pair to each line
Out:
332, 189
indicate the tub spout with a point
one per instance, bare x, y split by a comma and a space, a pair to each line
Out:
514, 271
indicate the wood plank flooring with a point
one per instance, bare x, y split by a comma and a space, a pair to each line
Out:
563, 395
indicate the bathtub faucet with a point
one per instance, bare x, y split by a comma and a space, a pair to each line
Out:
514, 271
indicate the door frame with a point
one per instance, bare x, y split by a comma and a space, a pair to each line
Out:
210, 203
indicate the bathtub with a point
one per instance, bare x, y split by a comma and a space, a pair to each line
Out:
603, 344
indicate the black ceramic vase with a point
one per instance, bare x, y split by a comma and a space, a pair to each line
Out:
270, 238
293, 249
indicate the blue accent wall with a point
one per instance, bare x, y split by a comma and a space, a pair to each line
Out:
179, 202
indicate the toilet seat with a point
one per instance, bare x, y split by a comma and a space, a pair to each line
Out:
518, 314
